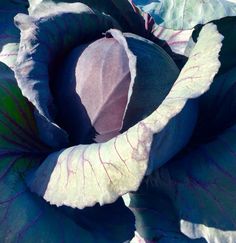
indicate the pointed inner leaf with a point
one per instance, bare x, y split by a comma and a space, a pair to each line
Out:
93, 98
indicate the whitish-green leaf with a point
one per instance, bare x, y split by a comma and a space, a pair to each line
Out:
185, 14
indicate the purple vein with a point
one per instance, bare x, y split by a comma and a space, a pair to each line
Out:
91, 166
175, 34
28, 225
100, 158
213, 162
221, 208
117, 152
176, 42
22, 147
4, 36
9, 166
8, 54
25, 132
10, 199
160, 32
20, 137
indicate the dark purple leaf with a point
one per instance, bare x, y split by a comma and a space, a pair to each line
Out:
51, 34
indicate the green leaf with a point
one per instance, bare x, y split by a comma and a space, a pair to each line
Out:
186, 14
18, 132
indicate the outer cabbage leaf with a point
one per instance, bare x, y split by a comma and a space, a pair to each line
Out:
201, 185
156, 219
109, 223
45, 40
18, 133
24, 217
118, 166
9, 34
120, 10
186, 14
227, 27
217, 106
150, 86
173, 41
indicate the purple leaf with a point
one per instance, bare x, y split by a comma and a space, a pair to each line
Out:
45, 40
101, 79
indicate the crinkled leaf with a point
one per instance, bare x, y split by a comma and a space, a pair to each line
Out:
151, 84
75, 175
121, 10
171, 139
45, 39
186, 14
201, 185
227, 27
9, 34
